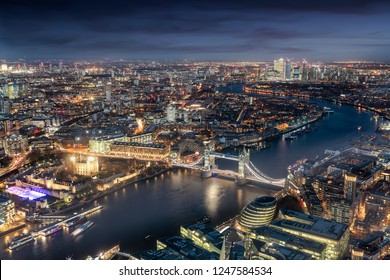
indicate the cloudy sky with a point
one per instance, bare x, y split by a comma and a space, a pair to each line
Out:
201, 30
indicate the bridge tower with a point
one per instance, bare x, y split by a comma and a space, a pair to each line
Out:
244, 159
209, 161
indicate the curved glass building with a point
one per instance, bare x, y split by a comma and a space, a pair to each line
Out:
259, 212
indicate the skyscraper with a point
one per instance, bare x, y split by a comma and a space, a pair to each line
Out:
280, 67
350, 186
108, 91
283, 67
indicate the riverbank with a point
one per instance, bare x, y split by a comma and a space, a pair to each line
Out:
281, 133
13, 229
119, 186
113, 189
269, 91
358, 106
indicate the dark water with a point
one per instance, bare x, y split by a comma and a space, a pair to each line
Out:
160, 205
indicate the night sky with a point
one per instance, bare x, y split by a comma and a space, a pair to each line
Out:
222, 30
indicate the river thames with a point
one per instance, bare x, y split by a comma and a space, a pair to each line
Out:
160, 205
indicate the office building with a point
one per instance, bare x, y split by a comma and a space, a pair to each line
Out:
186, 248
260, 250
203, 236
341, 210
271, 235
102, 144
330, 233
7, 211
108, 89
257, 213
350, 181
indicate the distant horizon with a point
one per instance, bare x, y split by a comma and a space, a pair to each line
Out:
220, 30
101, 60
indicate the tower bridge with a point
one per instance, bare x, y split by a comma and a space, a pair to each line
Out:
247, 171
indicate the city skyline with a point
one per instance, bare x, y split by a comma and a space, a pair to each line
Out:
217, 31
194, 130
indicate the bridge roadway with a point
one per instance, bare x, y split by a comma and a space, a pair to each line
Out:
228, 173
225, 156
257, 175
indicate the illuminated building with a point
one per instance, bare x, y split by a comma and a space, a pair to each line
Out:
48, 185
186, 248
350, 186
296, 73
203, 236
378, 206
268, 234
280, 66
259, 212
5, 105
140, 138
14, 144
171, 113
85, 167
260, 250
333, 235
288, 70
7, 211
386, 175
283, 67
233, 247
102, 144
374, 247
140, 150
341, 210
14, 90
108, 92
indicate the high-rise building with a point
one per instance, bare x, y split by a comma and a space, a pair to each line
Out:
108, 90
350, 186
259, 212
7, 211
5, 106
287, 70
341, 210
280, 67
296, 73
283, 68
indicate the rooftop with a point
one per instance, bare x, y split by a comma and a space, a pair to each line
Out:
136, 144
280, 252
290, 239
188, 249
381, 188
310, 224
